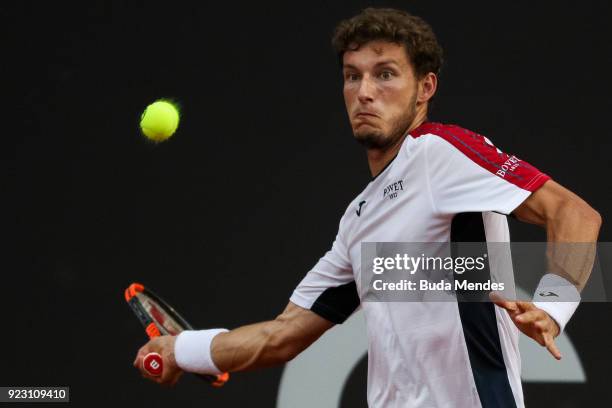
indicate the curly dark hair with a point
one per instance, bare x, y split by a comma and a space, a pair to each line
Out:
396, 26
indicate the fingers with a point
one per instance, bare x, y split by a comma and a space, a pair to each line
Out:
138, 361
538, 325
510, 305
500, 301
531, 316
143, 351
526, 306
163, 345
552, 347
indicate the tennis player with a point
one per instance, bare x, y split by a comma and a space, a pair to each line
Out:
431, 182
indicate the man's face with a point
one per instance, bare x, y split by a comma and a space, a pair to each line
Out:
380, 92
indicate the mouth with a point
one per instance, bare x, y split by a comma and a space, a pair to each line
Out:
366, 115
365, 118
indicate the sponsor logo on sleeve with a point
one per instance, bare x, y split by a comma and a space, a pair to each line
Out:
508, 166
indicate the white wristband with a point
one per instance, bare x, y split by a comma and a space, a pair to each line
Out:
192, 351
557, 297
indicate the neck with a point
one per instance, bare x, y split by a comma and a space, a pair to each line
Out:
379, 158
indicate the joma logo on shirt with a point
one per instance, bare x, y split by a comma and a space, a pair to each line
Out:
391, 190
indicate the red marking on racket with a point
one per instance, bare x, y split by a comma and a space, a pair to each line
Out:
153, 364
157, 315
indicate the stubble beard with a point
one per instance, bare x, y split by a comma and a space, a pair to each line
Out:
376, 139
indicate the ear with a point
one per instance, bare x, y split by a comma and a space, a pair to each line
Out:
427, 87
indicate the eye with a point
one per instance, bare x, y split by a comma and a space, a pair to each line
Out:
351, 76
386, 75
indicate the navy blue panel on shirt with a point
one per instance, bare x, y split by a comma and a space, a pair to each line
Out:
480, 323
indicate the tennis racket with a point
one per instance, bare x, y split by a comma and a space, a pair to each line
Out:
158, 319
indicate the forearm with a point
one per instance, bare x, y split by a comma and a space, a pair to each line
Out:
572, 233
253, 346
572, 228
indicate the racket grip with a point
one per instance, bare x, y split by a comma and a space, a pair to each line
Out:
153, 364
217, 381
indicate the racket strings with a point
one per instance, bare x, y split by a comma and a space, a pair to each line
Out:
162, 319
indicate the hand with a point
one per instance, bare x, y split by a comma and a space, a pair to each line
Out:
164, 345
532, 321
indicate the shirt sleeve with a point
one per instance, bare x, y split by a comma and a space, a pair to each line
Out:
329, 288
467, 173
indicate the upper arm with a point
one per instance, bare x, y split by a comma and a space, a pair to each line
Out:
551, 202
329, 288
467, 173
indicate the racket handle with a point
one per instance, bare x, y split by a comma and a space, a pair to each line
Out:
153, 364
152, 330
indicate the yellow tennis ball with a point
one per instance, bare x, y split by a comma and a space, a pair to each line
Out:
159, 120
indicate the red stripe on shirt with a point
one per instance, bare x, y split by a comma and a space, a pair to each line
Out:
486, 155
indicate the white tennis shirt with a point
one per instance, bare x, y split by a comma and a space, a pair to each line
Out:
445, 184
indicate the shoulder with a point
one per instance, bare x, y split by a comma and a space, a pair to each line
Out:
464, 148
465, 140
444, 140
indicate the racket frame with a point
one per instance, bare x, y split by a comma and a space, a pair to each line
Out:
153, 330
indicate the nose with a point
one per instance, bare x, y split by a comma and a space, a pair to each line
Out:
367, 89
